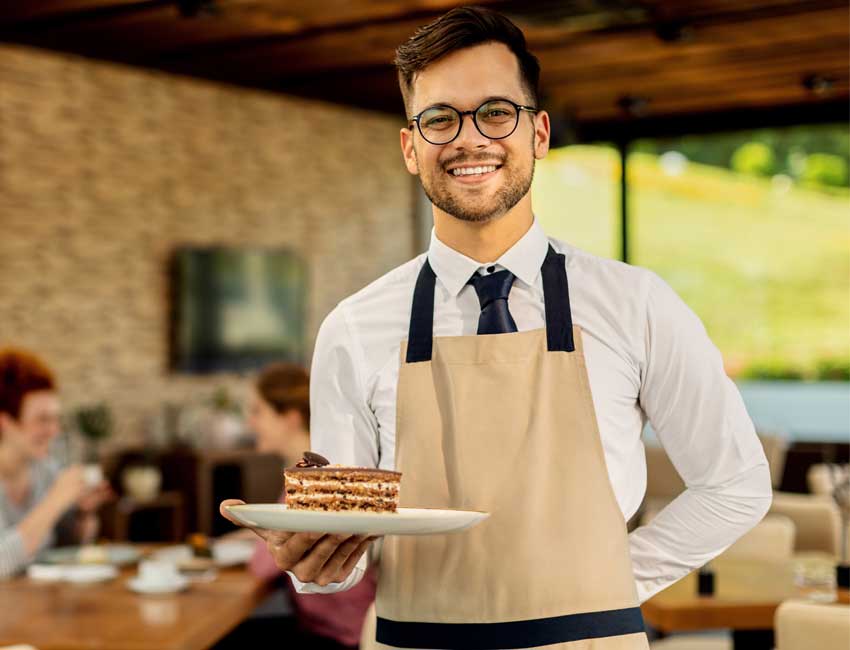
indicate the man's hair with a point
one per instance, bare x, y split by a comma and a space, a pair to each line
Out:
456, 30
286, 386
21, 373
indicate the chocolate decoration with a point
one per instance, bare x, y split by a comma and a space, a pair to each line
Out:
311, 459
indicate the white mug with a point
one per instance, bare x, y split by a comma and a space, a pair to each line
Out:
157, 572
92, 475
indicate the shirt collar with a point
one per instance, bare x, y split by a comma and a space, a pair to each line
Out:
523, 259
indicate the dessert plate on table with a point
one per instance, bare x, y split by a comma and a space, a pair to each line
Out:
405, 521
115, 554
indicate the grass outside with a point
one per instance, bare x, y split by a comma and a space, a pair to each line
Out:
765, 264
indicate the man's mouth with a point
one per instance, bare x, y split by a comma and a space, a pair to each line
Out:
472, 173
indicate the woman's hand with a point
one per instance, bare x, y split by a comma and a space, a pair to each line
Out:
67, 489
94, 498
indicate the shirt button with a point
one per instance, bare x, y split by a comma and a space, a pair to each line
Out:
490, 269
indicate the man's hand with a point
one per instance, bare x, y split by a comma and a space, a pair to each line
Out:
311, 557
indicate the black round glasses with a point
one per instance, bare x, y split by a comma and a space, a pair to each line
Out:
495, 119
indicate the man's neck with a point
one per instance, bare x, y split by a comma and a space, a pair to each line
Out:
487, 241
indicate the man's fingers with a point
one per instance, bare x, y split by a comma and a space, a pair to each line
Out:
288, 551
355, 556
277, 536
339, 565
308, 568
222, 508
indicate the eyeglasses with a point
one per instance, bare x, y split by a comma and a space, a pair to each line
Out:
495, 119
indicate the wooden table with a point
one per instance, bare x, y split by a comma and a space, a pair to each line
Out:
108, 616
747, 593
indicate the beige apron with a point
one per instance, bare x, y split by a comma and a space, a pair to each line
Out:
505, 423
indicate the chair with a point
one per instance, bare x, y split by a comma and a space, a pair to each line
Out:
820, 478
694, 642
663, 483
771, 539
367, 636
802, 625
815, 517
776, 450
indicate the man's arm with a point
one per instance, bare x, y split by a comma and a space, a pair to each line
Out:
342, 426
700, 419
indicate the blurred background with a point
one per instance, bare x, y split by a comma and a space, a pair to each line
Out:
187, 187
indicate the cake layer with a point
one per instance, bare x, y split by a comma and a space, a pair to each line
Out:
339, 488
334, 485
340, 503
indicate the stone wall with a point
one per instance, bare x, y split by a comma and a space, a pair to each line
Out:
104, 170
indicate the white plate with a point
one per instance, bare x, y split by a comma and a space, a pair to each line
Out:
85, 573
233, 552
78, 573
226, 553
146, 587
117, 554
407, 521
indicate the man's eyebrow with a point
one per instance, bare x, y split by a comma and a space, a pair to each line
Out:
491, 98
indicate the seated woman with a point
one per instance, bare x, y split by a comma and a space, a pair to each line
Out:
279, 414
40, 503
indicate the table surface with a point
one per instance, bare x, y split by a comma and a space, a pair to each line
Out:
108, 616
747, 593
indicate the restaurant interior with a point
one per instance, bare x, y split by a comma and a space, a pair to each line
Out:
188, 187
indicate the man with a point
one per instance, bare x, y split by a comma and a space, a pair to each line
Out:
508, 372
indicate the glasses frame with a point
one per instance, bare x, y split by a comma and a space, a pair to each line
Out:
474, 113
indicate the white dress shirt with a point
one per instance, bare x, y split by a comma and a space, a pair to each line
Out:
647, 355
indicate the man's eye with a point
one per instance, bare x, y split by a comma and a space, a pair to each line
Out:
440, 122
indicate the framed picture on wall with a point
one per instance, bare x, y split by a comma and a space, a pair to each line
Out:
236, 309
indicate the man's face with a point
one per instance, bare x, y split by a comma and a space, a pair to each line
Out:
464, 80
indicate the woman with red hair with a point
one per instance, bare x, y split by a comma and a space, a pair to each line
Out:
39, 502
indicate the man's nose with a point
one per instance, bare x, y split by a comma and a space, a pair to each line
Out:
470, 137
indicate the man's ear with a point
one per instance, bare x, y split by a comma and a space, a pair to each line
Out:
542, 131
406, 137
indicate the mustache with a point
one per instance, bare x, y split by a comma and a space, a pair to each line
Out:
466, 159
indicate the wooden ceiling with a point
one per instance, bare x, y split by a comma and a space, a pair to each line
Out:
605, 62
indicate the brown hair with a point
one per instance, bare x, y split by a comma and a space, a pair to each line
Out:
458, 29
286, 386
21, 373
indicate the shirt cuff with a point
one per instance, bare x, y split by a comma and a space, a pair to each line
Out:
312, 588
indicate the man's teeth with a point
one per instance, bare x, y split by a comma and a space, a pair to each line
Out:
469, 171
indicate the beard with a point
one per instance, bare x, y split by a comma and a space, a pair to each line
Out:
515, 185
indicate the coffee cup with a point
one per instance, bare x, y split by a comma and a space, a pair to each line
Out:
92, 475
158, 572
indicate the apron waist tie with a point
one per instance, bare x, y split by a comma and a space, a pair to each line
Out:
514, 634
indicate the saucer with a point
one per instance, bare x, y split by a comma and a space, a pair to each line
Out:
159, 587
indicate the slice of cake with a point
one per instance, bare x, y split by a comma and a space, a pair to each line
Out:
315, 484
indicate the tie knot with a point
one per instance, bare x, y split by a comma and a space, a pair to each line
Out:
492, 287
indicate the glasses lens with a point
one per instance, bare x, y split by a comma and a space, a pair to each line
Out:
439, 124
496, 119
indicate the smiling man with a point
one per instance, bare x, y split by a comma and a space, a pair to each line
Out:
510, 372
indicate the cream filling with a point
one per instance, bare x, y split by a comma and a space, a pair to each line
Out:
307, 483
339, 496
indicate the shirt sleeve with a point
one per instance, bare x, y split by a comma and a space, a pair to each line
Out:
700, 420
343, 427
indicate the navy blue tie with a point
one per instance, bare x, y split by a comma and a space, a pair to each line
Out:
493, 291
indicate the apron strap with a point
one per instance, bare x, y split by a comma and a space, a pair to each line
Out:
514, 634
556, 295
421, 336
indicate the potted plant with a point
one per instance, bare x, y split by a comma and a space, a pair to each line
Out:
95, 425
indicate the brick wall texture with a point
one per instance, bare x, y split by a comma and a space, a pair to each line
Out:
104, 170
